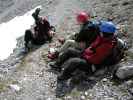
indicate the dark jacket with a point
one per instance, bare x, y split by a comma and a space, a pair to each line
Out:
88, 32
41, 30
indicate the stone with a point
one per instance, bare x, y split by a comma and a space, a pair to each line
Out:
105, 80
82, 97
86, 93
69, 97
15, 87
125, 72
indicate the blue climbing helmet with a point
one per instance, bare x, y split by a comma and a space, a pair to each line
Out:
107, 27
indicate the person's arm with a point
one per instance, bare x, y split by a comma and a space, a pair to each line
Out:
46, 24
49, 30
82, 44
81, 36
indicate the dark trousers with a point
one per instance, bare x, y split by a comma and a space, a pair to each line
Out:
71, 60
67, 54
72, 65
30, 38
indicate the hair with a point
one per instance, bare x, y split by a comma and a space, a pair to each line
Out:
28, 31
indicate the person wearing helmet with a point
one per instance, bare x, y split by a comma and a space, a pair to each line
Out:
89, 29
95, 54
119, 50
42, 31
88, 32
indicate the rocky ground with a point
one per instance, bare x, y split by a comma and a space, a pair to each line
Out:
26, 77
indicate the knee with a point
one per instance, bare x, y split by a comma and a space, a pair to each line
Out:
75, 60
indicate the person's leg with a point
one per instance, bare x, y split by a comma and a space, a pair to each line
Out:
68, 53
64, 47
85, 66
71, 65
67, 44
28, 37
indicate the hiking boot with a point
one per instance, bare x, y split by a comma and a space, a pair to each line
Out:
60, 90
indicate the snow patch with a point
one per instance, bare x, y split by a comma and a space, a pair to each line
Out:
13, 29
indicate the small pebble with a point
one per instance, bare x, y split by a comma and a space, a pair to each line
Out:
15, 87
49, 99
104, 80
82, 97
69, 97
86, 93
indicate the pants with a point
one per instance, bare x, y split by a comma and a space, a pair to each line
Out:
30, 38
72, 65
67, 54
68, 44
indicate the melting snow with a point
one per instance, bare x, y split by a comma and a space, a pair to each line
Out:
13, 29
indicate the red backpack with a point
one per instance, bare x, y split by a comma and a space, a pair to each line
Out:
99, 50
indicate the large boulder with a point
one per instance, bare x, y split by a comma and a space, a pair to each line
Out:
125, 72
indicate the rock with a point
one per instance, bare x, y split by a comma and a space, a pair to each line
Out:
68, 97
129, 83
124, 72
100, 72
131, 91
86, 93
15, 87
125, 3
48, 98
82, 97
1, 77
105, 80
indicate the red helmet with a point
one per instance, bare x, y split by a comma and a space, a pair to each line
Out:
82, 17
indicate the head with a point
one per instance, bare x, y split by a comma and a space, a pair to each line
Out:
82, 17
107, 28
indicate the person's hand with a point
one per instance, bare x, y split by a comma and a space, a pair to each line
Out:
82, 44
51, 33
93, 49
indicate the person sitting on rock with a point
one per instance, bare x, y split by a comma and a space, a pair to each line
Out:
96, 53
42, 31
87, 34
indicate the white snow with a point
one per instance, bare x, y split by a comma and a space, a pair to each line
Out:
13, 29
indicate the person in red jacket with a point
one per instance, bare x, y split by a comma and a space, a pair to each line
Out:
95, 54
42, 31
